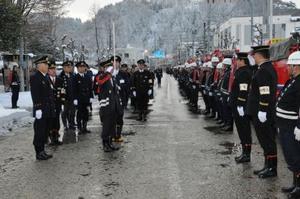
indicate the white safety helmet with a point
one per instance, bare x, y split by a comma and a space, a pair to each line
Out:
219, 66
294, 58
215, 59
227, 61
210, 65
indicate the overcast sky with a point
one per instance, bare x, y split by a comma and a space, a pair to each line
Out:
82, 8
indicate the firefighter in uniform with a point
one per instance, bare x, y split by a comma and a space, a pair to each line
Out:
227, 112
110, 108
142, 89
56, 86
238, 101
67, 96
43, 107
261, 108
122, 83
83, 95
288, 123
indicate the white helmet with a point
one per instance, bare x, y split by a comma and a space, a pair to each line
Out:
210, 65
294, 58
214, 59
219, 66
227, 61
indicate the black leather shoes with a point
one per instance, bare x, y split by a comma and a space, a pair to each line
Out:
268, 173
43, 156
243, 159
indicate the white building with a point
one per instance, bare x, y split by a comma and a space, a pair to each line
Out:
236, 32
131, 55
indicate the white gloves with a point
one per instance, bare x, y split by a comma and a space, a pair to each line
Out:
134, 93
38, 114
75, 102
149, 92
262, 116
297, 134
115, 72
240, 109
91, 100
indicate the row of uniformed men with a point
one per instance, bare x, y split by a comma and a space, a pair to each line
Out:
253, 99
68, 94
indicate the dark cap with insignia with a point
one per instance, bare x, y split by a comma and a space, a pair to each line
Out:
105, 63
258, 49
51, 64
118, 58
141, 61
124, 66
67, 63
82, 63
43, 59
242, 55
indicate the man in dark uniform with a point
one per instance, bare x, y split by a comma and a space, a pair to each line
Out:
43, 107
288, 123
101, 71
238, 101
83, 94
142, 89
121, 80
67, 96
56, 86
261, 108
110, 108
159, 74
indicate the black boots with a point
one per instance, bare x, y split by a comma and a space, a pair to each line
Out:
43, 156
270, 169
295, 194
108, 146
245, 156
292, 187
256, 172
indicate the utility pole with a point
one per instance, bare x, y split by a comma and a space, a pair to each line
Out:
271, 19
252, 20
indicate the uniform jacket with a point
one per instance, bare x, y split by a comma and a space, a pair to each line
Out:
67, 92
240, 87
142, 82
83, 90
42, 95
56, 89
110, 103
262, 96
288, 104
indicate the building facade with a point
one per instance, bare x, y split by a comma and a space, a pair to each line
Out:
236, 32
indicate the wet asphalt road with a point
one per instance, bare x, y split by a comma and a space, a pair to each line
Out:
176, 154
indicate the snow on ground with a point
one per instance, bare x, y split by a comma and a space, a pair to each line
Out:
14, 118
24, 101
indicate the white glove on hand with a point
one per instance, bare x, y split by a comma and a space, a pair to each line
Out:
91, 100
240, 109
115, 72
262, 116
297, 134
134, 93
149, 92
75, 102
38, 114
